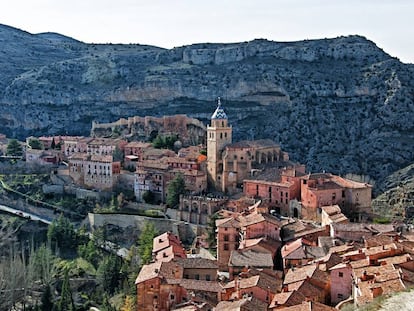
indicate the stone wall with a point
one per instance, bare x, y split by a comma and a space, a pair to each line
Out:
179, 228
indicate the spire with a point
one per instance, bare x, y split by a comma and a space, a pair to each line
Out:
219, 113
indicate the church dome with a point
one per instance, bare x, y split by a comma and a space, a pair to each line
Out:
219, 113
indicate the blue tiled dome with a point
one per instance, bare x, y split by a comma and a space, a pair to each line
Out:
219, 113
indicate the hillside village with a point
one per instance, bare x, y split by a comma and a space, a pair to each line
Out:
285, 238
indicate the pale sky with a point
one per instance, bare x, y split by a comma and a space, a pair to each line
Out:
171, 23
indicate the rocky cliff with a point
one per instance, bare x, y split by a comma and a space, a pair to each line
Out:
341, 105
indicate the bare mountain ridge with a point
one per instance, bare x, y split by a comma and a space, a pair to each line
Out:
339, 104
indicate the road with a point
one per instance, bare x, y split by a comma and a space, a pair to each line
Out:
25, 215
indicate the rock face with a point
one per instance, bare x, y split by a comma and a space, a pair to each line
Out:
341, 105
397, 199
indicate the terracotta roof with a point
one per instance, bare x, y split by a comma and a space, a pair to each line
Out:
138, 144
245, 303
359, 263
300, 273
310, 306
257, 218
331, 209
201, 285
287, 299
167, 270
306, 288
199, 263
165, 240
250, 258
229, 222
101, 158
290, 247
262, 280
396, 260
268, 244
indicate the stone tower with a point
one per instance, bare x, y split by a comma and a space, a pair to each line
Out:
218, 136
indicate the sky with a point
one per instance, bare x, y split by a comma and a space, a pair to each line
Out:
173, 23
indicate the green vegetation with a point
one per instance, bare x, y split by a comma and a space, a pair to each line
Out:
145, 242
35, 143
62, 235
148, 197
175, 188
164, 142
14, 148
382, 220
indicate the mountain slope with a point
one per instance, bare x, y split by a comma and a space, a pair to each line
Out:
342, 104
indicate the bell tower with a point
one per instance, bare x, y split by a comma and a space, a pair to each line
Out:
219, 135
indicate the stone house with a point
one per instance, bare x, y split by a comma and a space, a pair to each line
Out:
158, 286
332, 214
167, 246
94, 171
252, 283
228, 239
134, 152
324, 189
240, 259
276, 186
341, 282
159, 167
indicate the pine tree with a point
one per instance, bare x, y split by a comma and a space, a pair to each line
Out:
175, 188
47, 300
65, 302
14, 148
145, 242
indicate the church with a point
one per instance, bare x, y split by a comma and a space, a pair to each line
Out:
228, 163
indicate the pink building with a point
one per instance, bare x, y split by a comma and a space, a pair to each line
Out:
341, 282
276, 187
324, 189
228, 238
166, 247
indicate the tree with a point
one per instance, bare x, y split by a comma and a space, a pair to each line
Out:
175, 188
34, 143
118, 155
129, 304
148, 197
65, 302
47, 300
108, 273
89, 252
62, 234
145, 242
164, 141
14, 148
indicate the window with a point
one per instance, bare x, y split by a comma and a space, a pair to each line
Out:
343, 193
341, 274
221, 135
208, 277
226, 247
333, 196
197, 276
172, 297
226, 237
